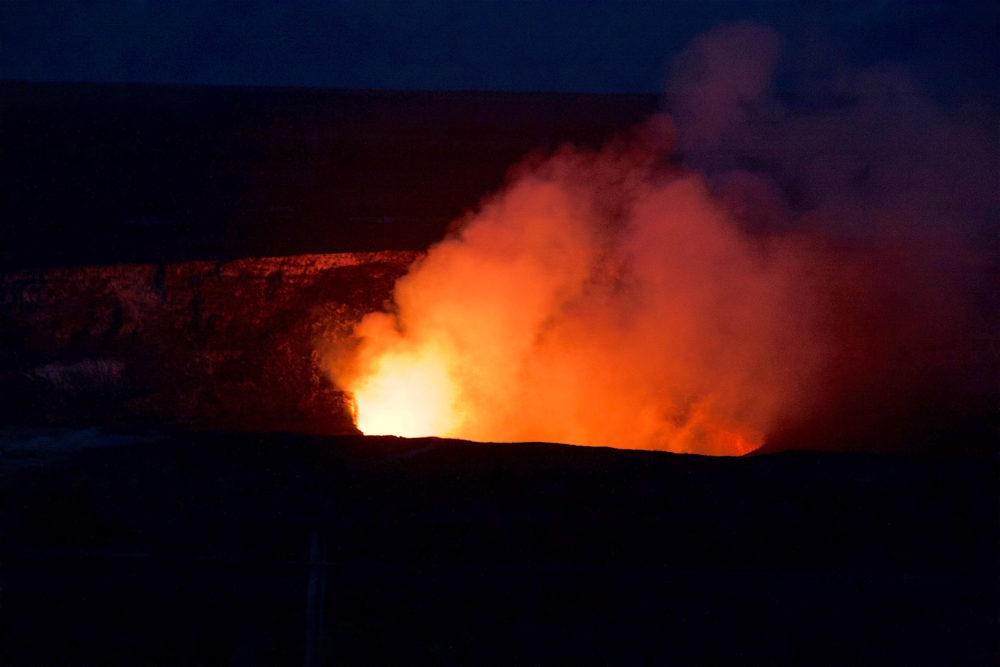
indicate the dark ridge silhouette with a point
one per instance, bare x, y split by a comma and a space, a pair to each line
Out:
103, 173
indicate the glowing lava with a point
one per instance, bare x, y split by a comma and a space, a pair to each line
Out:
406, 395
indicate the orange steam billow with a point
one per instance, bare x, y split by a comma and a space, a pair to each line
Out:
815, 278
597, 300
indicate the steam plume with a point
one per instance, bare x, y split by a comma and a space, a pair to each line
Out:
782, 274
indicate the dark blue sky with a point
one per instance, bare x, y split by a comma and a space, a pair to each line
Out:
571, 45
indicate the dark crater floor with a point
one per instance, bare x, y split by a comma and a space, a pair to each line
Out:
194, 548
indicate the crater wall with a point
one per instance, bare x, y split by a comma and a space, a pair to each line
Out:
226, 345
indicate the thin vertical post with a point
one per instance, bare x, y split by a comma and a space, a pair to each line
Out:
315, 597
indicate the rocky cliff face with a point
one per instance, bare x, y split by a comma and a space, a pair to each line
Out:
197, 344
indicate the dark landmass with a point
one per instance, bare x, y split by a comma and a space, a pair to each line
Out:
192, 548
108, 173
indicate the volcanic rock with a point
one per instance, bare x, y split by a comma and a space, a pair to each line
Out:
227, 345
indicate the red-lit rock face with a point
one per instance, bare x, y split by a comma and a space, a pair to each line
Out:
203, 344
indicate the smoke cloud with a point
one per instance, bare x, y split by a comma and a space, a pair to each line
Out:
744, 270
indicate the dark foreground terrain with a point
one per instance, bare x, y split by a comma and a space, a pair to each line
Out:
194, 548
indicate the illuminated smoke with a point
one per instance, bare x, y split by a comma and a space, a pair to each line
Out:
600, 299
623, 298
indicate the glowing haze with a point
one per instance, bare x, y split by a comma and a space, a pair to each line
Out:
621, 297
596, 301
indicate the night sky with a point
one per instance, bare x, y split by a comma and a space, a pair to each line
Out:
461, 45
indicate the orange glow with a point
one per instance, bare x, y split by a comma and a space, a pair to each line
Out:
407, 395
400, 387
815, 284
593, 302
